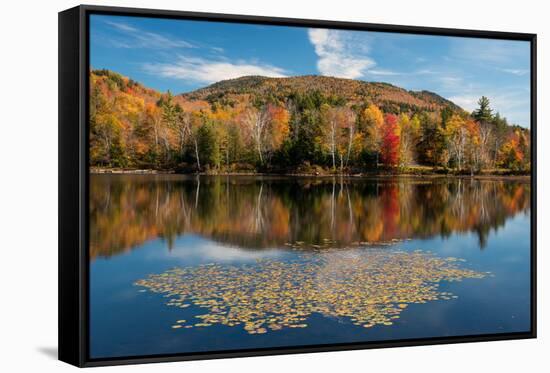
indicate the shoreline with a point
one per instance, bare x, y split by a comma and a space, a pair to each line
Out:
420, 175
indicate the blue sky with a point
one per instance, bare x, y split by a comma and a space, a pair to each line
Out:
182, 55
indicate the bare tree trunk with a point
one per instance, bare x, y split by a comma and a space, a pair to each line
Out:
156, 128
257, 121
260, 152
333, 158
197, 153
182, 140
351, 132
107, 140
496, 153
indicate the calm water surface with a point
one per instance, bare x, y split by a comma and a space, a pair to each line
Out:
272, 261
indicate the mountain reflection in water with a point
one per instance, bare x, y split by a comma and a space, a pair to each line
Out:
266, 212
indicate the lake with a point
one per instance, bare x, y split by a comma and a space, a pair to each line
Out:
187, 264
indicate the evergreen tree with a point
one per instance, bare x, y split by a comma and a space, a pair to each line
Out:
484, 114
209, 145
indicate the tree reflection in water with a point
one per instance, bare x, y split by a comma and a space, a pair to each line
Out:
266, 212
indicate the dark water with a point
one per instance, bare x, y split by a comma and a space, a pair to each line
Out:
277, 262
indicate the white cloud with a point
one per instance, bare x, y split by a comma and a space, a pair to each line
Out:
340, 53
193, 247
214, 251
210, 71
468, 102
138, 38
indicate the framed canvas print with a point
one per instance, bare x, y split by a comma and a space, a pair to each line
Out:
236, 185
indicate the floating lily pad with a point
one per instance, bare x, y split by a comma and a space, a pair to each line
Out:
365, 287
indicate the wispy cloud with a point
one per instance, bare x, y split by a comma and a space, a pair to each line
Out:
209, 71
217, 49
340, 54
494, 52
519, 72
196, 69
133, 37
383, 72
386, 72
122, 26
452, 82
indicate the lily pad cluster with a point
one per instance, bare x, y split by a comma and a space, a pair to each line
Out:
365, 287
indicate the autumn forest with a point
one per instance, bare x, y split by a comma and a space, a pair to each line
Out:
297, 125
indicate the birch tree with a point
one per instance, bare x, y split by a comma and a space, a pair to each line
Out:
457, 137
257, 121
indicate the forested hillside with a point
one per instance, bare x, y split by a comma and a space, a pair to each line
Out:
297, 124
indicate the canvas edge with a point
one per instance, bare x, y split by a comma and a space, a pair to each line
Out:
70, 243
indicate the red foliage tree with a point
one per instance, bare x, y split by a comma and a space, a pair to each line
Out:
390, 141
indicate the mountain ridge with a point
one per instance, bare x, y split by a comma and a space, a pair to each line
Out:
386, 95
390, 98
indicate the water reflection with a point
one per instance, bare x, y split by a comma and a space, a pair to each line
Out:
220, 263
264, 212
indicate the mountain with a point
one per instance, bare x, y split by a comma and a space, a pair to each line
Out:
389, 98
386, 96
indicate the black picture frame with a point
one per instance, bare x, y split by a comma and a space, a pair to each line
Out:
74, 182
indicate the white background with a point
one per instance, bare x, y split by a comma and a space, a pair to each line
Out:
28, 185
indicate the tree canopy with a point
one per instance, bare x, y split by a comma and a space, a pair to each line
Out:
290, 128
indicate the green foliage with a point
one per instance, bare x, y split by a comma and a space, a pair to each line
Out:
484, 113
446, 114
432, 143
209, 145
